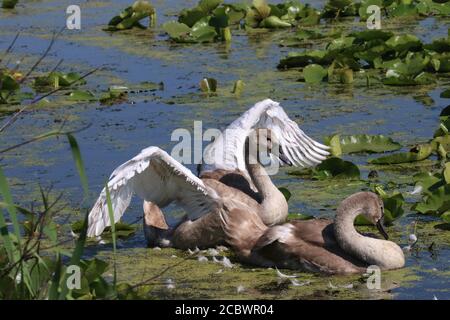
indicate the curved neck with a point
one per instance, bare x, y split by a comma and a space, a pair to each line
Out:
385, 254
273, 202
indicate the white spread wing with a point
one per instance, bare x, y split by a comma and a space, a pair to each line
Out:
154, 176
227, 151
300, 149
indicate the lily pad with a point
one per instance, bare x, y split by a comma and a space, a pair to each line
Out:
446, 216
314, 73
123, 230
445, 94
238, 87
273, 22
208, 85
131, 16
437, 202
81, 95
301, 59
286, 193
336, 168
362, 143
9, 4
418, 153
404, 42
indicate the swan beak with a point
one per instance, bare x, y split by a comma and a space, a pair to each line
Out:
381, 229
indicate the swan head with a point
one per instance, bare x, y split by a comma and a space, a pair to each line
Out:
373, 210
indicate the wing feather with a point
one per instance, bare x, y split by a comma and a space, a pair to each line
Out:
154, 176
226, 152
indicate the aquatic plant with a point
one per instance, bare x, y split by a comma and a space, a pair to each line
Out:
9, 4
207, 22
395, 59
131, 17
346, 144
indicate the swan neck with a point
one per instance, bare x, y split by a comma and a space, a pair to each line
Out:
385, 254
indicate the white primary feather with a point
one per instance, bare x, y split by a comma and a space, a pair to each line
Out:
227, 151
154, 176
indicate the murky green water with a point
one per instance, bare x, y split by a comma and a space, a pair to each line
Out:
119, 132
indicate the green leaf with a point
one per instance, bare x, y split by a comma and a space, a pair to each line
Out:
445, 94
301, 59
9, 4
175, 29
393, 207
336, 168
8, 83
428, 181
123, 230
446, 216
419, 153
437, 202
404, 42
274, 22
81, 95
446, 172
362, 11
262, 8
209, 5
363, 143
286, 193
335, 145
190, 16
314, 73
76, 256
203, 33
238, 87
208, 85
79, 163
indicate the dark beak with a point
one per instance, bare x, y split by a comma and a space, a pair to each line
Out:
381, 229
283, 158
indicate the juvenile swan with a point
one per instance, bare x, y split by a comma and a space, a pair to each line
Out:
325, 246
159, 179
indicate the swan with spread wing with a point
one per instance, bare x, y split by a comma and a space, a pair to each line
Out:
224, 182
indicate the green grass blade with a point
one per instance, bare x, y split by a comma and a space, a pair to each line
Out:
7, 197
78, 163
15, 252
76, 256
56, 279
113, 230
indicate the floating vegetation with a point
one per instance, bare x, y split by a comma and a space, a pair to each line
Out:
131, 17
56, 79
389, 8
331, 168
395, 60
282, 15
341, 144
9, 85
122, 230
435, 189
9, 4
393, 207
208, 85
207, 22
